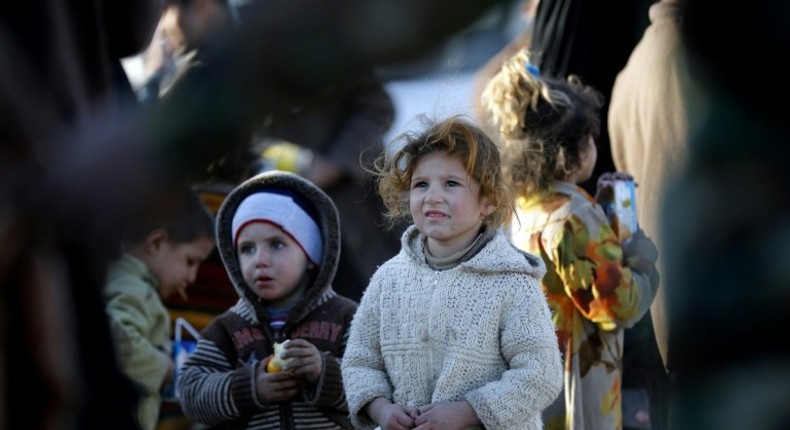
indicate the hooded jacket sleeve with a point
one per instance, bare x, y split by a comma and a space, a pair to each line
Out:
212, 389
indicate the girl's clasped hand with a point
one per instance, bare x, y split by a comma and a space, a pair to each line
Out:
446, 415
436, 416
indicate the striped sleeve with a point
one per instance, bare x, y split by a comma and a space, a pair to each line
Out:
212, 391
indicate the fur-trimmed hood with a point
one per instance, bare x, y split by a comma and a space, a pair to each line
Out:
329, 225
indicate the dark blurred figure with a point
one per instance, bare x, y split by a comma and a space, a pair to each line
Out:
184, 36
583, 38
61, 71
77, 154
185, 27
726, 222
338, 129
342, 127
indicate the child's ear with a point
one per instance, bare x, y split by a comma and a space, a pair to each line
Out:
155, 239
488, 207
488, 210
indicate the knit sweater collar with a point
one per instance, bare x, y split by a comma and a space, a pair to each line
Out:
492, 256
439, 263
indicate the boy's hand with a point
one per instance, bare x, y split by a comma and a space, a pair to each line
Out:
171, 371
274, 387
446, 416
391, 416
304, 360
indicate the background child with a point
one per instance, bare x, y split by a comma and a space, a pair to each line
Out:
454, 330
595, 285
162, 251
279, 238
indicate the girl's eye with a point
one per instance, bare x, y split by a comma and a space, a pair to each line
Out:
277, 244
452, 184
419, 184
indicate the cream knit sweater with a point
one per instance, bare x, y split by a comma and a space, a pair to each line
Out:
480, 331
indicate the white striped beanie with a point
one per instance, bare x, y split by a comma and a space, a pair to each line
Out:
286, 210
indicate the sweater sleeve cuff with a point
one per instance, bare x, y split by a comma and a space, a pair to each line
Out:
481, 407
361, 421
242, 390
329, 387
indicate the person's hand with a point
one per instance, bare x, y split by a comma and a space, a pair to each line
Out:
391, 416
274, 387
640, 253
303, 360
446, 416
608, 178
604, 193
171, 371
642, 417
605, 186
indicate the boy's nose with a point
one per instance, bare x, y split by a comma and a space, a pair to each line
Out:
262, 259
192, 275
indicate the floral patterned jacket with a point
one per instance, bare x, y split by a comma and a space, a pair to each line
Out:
593, 296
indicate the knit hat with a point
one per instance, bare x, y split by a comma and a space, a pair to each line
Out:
287, 210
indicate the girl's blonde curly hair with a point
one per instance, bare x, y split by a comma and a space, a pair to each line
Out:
542, 122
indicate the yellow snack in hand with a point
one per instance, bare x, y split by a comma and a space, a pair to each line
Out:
276, 364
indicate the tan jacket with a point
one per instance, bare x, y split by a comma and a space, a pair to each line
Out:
141, 328
648, 126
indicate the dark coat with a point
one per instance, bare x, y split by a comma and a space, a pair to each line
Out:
228, 355
345, 124
61, 73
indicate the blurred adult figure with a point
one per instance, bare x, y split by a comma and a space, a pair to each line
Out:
648, 131
339, 132
184, 28
61, 73
337, 128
